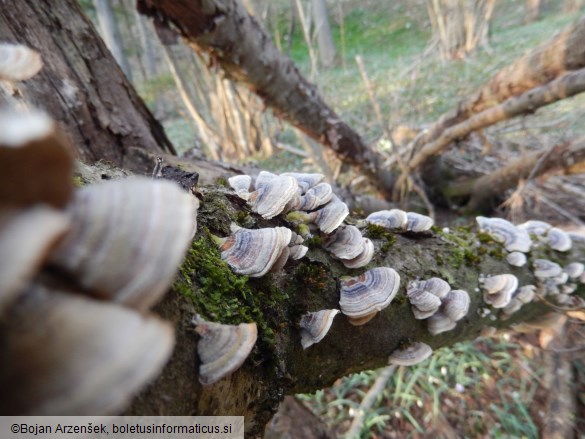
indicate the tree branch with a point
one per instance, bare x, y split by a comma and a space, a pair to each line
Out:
278, 365
568, 158
235, 40
563, 87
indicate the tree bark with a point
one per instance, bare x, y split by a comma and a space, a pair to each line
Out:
324, 36
563, 53
459, 26
567, 158
532, 10
80, 85
278, 365
235, 40
563, 87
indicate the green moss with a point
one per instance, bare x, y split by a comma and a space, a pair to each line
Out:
242, 217
78, 181
314, 241
221, 182
218, 293
374, 231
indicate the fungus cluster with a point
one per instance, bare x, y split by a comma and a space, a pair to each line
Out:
396, 219
85, 265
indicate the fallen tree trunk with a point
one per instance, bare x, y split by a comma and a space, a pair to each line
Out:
562, 54
80, 85
563, 87
237, 43
278, 365
567, 158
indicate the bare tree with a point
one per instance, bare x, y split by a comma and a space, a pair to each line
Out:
459, 26
327, 51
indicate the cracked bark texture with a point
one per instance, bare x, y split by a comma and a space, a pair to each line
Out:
278, 365
238, 44
81, 85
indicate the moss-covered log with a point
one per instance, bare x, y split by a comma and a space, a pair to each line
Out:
278, 365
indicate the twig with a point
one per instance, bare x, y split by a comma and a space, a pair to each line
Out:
369, 400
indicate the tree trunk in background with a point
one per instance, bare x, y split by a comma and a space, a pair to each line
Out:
111, 34
146, 36
460, 26
233, 39
571, 6
81, 85
324, 36
532, 10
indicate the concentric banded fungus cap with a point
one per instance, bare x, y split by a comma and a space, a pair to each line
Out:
456, 304
413, 354
434, 285
512, 307
330, 217
241, 184
281, 260
127, 238
18, 62
26, 237
517, 259
315, 326
363, 296
363, 258
418, 223
439, 323
421, 299
30, 146
315, 197
272, 197
305, 181
498, 289
254, 252
513, 238
575, 270
298, 251
543, 268
263, 178
559, 240
389, 219
539, 228
64, 353
346, 243
525, 294
222, 348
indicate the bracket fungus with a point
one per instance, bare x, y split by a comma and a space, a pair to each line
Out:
270, 199
65, 353
362, 297
305, 181
559, 240
346, 243
543, 268
241, 184
31, 145
389, 219
498, 289
411, 355
575, 270
514, 238
124, 220
315, 197
425, 296
27, 236
517, 259
222, 348
363, 258
418, 223
534, 227
253, 252
456, 304
18, 62
316, 325
329, 217
439, 323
